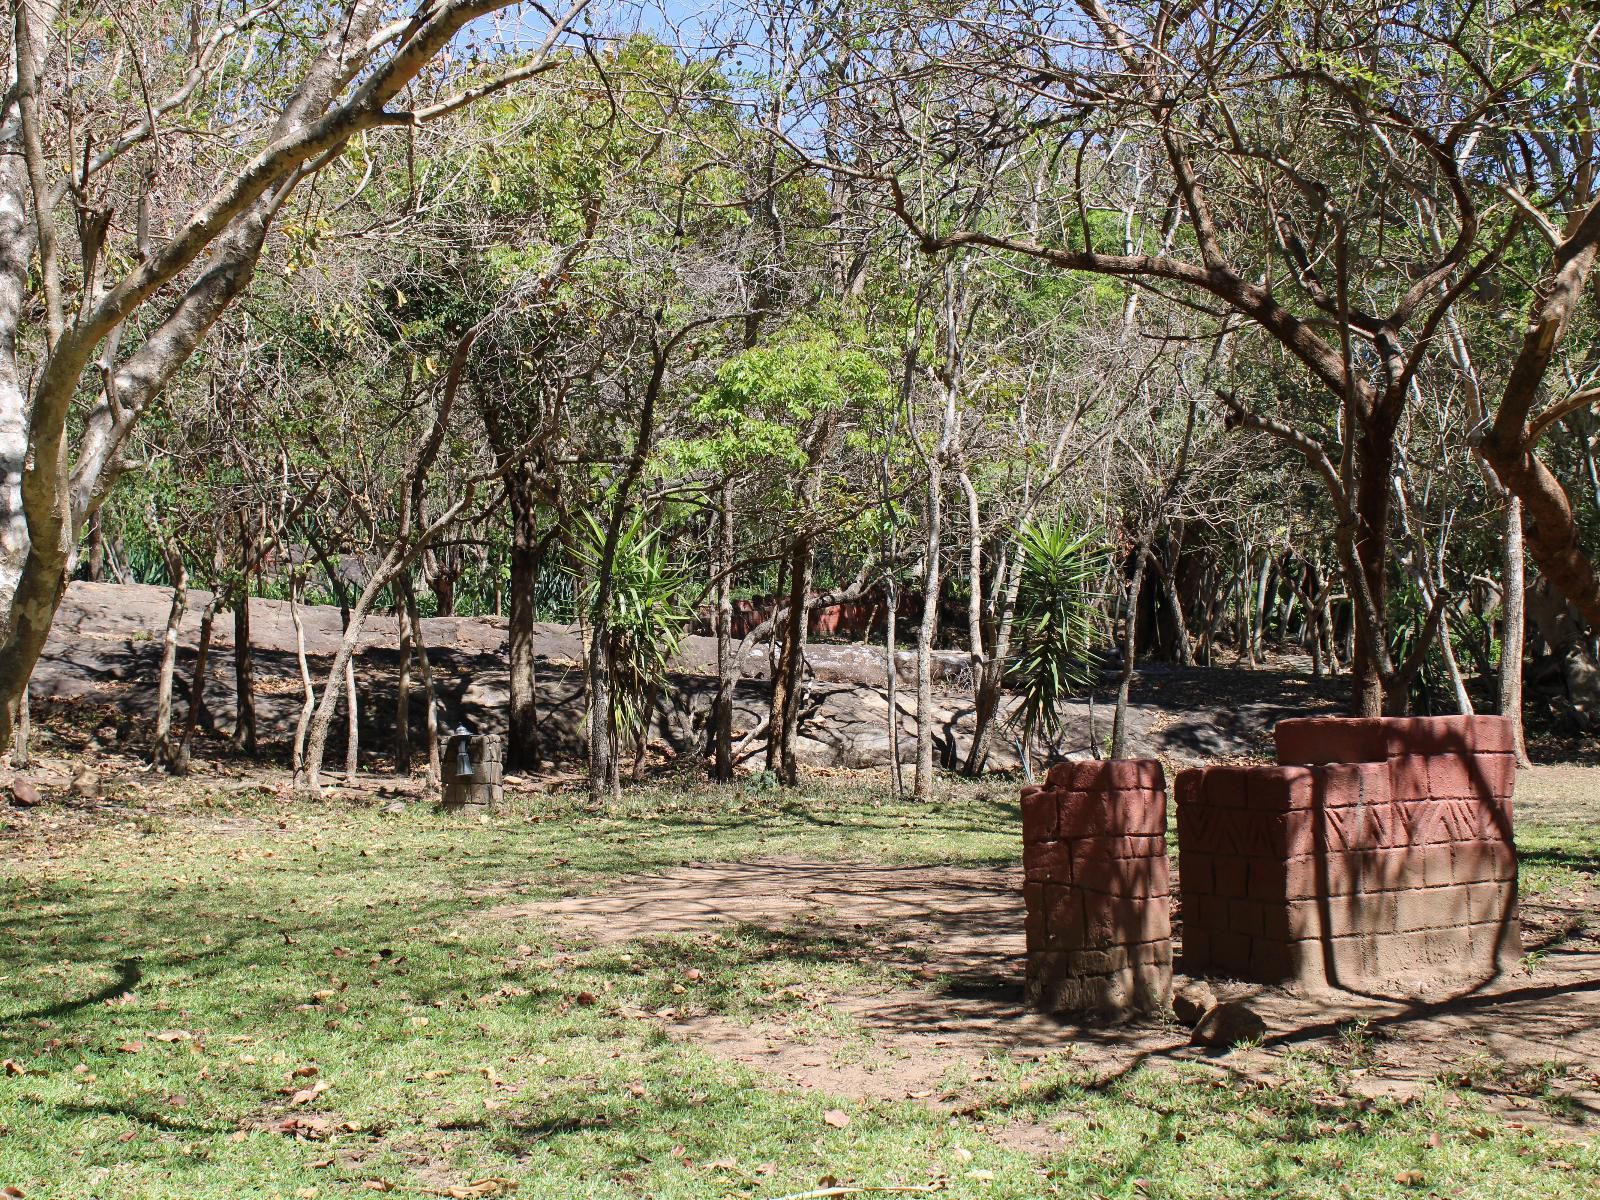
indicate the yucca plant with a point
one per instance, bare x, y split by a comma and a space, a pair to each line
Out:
647, 618
1058, 622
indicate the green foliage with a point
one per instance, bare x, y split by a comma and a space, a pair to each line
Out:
1058, 618
646, 617
761, 400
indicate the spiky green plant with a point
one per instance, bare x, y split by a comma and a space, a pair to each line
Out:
1058, 622
648, 614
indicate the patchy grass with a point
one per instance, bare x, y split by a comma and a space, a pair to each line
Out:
271, 999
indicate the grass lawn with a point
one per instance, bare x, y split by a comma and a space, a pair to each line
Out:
265, 998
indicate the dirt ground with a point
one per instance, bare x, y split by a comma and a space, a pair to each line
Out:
1530, 1041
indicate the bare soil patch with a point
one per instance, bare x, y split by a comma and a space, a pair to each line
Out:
1530, 1040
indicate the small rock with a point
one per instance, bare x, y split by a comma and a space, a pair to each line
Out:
25, 794
1228, 1024
85, 783
1193, 1001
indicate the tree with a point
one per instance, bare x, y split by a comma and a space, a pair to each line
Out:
347, 67
1273, 138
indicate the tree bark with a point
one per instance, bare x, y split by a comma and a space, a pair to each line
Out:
352, 713
527, 559
21, 755
792, 664
429, 698
244, 725
402, 692
1130, 650
1514, 592
163, 752
722, 704
922, 781
197, 686
891, 669
297, 750
991, 683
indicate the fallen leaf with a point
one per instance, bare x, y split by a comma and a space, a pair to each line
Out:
836, 1117
766, 1168
378, 1185
980, 1174
586, 998
305, 1072
173, 1035
692, 975
307, 1095
125, 1138
1410, 1178
131, 1047
13, 1191
13, 1067
722, 1164
493, 1186
321, 1163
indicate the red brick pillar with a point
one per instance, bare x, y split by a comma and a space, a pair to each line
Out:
1378, 857
1097, 890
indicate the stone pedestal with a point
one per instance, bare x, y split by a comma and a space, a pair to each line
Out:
479, 790
1099, 925
1377, 857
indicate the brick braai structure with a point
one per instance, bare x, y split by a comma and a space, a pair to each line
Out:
1099, 927
1377, 857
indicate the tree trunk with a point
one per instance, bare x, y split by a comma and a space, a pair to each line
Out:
601, 727
1513, 589
95, 558
340, 676
352, 745
1130, 650
429, 699
1183, 649
197, 686
402, 693
792, 664
922, 781
891, 667
297, 750
1375, 458
244, 725
21, 756
163, 751
991, 684
722, 704
527, 558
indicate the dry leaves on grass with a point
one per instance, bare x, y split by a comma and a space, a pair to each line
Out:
838, 1118
495, 1185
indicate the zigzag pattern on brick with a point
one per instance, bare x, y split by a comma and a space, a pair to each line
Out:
1378, 855
1099, 930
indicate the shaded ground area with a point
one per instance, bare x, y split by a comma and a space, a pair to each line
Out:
213, 988
1531, 1040
102, 660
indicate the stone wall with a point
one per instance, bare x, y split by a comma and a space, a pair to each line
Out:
1378, 856
1097, 888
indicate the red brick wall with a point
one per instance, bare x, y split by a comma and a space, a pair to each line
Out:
1099, 928
1378, 857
